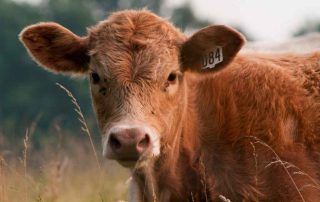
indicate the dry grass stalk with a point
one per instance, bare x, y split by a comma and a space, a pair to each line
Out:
315, 184
154, 196
203, 176
192, 198
150, 183
2, 180
26, 145
277, 161
9, 168
82, 120
57, 171
255, 156
298, 171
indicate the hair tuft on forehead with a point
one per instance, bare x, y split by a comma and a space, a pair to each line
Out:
136, 29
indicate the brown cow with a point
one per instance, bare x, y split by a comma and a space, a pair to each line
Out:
194, 120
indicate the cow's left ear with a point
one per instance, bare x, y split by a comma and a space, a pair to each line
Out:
210, 49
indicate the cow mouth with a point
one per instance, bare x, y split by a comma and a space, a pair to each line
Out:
133, 162
128, 163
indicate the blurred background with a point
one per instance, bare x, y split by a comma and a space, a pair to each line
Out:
53, 160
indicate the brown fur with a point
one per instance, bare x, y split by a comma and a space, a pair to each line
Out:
207, 122
67, 50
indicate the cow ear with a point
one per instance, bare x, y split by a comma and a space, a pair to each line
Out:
56, 48
210, 49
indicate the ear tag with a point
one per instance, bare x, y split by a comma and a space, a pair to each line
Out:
212, 58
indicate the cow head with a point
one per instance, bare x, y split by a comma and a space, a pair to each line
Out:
136, 63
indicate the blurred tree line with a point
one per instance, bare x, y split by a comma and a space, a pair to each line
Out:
307, 27
29, 95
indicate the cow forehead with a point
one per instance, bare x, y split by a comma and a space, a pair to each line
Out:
134, 42
135, 26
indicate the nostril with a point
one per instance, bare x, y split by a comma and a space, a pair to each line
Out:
114, 142
144, 143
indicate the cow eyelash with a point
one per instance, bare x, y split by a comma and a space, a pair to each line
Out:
94, 77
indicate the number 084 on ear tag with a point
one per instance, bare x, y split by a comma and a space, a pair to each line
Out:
212, 58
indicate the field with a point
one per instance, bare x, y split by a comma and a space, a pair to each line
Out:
65, 171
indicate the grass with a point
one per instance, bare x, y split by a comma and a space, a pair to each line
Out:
82, 120
66, 174
65, 169
290, 169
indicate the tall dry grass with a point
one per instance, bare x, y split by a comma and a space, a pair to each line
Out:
65, 175
66, 169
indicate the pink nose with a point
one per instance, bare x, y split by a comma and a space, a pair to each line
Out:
128, 144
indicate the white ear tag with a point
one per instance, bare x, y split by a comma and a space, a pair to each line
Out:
212, 58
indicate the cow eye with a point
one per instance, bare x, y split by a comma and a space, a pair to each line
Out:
94, 78
172, 78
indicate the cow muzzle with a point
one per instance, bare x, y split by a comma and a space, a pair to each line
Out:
129, 145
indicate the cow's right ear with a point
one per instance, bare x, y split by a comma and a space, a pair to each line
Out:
210, 49
56, 48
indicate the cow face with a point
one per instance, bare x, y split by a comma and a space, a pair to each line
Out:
136, 63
